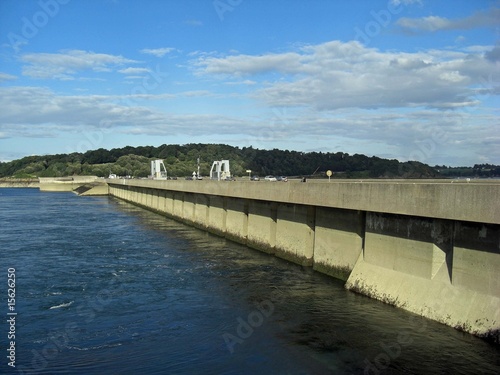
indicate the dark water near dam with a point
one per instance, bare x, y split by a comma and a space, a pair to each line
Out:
104, 287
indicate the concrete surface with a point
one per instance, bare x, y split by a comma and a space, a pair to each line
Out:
431, 248
474, 201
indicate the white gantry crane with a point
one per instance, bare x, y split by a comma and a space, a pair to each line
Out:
156, 170
220, 170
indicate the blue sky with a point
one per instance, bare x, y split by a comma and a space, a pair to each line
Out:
403, 79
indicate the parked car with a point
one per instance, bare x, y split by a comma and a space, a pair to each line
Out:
270, 178
282, 178
255, 178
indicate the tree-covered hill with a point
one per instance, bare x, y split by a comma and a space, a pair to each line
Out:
181, 160
477, 171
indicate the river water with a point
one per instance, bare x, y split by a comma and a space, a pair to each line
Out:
104, 287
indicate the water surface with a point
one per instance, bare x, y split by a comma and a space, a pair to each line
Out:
104, 287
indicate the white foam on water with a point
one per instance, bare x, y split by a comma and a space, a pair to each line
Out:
61, 305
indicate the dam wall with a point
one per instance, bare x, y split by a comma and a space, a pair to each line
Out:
432, 248
19, 183
81, 185
66, 183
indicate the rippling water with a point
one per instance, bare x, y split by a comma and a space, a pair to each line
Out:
104, 287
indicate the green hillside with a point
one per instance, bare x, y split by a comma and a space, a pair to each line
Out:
181, 160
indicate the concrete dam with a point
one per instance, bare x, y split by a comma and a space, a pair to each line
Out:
429, 247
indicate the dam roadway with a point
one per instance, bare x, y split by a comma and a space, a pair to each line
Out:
431, 247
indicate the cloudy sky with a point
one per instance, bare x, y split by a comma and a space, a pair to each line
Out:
404, 79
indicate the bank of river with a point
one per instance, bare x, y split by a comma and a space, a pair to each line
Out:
19, 183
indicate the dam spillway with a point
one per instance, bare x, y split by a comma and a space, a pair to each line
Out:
430, 247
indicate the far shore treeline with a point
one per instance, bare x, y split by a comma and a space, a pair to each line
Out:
181, 160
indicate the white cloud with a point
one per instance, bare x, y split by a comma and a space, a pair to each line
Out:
65, 64
158, 52
430, 23
417, 105
39, 109
133, 77
452, 77
405, 2
6, 77
337, 75
394, 103
246, 64
428, 135
480, 19
196, 93
494, 54
134, 70
244, 82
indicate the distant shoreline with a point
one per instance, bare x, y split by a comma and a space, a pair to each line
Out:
19, 183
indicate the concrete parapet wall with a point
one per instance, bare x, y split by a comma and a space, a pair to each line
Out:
188, 209
416, 246
474, 201
169, 203
476, 258
201, 211
237, 220
261, 234
295, 233
216, 222
338, 240
178, 200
